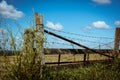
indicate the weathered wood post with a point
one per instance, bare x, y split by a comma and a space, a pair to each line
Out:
59, 56
39, 39
33, 45
88, 52
28, 42
117, 41
85, 56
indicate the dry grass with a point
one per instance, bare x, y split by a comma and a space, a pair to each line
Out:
72, 57
64, 57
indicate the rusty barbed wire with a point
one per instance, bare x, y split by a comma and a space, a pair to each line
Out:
79, 34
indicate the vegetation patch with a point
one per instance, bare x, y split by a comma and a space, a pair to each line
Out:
97, 71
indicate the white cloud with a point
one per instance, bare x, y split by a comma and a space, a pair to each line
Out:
102, 1
98, 25
88, 27
117, 23
56, 26
9, 11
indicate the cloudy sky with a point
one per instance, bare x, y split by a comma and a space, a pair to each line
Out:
89, 22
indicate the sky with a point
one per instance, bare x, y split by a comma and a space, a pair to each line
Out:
88, 22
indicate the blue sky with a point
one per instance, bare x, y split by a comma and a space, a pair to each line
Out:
91, 18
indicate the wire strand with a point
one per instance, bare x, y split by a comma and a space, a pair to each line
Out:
79, 34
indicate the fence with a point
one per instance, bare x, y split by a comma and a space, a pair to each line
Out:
86, 51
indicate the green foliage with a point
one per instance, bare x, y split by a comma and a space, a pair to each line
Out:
23, 66
93, 72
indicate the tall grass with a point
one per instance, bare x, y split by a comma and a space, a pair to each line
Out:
25, 65
97, 71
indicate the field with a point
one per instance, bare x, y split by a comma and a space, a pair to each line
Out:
93, 72
65, 57
72, 57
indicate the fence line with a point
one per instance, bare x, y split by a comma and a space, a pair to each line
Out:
61, 43
83, 40
79, 34
73, 42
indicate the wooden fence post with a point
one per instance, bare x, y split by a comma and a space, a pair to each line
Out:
39, 37
85, 56
117, 41
59, 56
87, 51
28, 42
39, 40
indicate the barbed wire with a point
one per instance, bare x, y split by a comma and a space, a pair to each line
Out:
50, 42
79, 40
105, 44
72, 45
79, 34
83, 40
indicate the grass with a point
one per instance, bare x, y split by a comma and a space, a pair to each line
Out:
23, 66
71, 57
93, 72
64, 57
